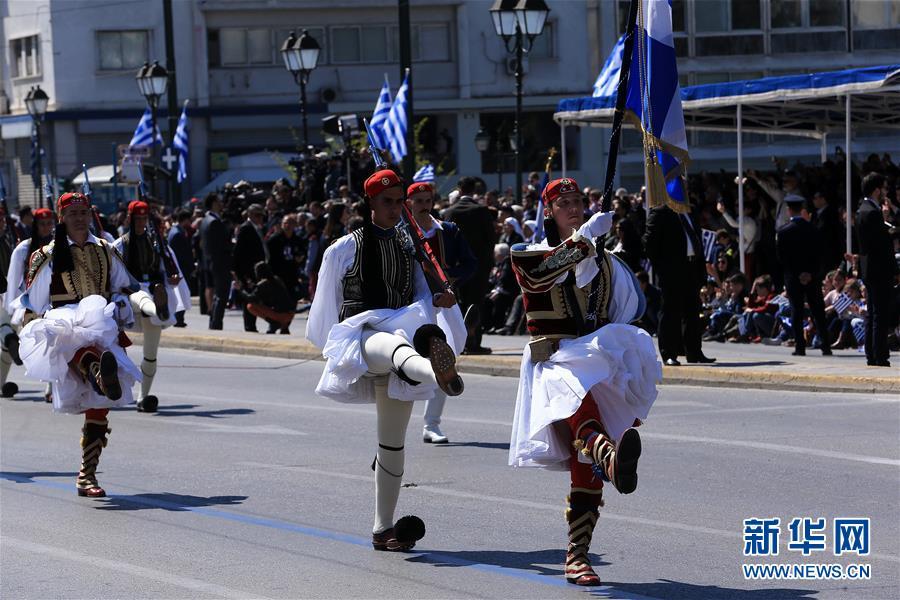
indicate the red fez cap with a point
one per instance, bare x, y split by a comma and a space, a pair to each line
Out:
71, 199
419, 186
139, 208
42, 213
557, 188
380, 181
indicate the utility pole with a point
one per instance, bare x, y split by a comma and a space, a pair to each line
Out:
172, 98
409, 162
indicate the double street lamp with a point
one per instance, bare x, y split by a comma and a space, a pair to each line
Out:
300, 58
519, 22
36, 102
152, 81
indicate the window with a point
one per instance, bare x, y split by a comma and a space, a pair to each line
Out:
434, 42
25, 56
543, 44
884, 14
122, 50
374, 44
345, 45
786, 13
245, 46
381, 43
827, 13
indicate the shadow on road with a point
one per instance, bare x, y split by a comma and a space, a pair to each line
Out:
30, 476
487, 445
675, 590
749, 363
534, 561
166, 501
183, 410
27, 395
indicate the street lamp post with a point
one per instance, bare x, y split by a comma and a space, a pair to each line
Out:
36, 102
152, 81
519, 21
483, 144
300, 58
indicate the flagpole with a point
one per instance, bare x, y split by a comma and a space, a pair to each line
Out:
621, 96
409, 162
172, 98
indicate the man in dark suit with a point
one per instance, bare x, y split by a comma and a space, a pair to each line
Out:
877, 267
828, 224
215, 242
798, 247
250, 249
287, 255
477, 227
673, 245
179, 239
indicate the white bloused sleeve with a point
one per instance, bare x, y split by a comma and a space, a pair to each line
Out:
119, 245
599, 224
626, 302
37, 295
15, 278
326, 306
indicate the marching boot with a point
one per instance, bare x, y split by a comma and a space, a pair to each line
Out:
101, 370
618, 465
147, 403
93, 440
160, 300
11, 344
582, 518
431, 342
8, 389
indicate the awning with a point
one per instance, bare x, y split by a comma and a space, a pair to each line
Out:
803, 105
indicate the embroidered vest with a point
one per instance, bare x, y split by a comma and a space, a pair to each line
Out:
381, 275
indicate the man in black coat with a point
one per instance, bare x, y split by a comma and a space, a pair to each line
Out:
179, 239
215, 242
798, 247
828, 224
673, 245
249, 249
877, 267
477, 227
287, 255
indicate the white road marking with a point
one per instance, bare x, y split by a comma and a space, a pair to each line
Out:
751, 409
556, 508
188, 583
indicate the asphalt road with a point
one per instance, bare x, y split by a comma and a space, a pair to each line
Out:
246, 485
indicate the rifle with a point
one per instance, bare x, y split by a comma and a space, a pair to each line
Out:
434, 274
156, 240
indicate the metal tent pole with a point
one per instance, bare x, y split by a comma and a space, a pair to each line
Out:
740, 156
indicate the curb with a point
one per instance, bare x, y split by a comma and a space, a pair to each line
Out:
509, 366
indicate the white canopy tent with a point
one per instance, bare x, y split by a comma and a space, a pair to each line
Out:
809, 106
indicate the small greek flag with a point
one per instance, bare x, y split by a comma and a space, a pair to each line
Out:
426, 173
608, 80
780, 300
842, 303
539, 233
395, 127
142, 135
180, 143
859, 330
709, 245
380, 114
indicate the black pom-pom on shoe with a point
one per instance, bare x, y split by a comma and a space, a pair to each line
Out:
409, 529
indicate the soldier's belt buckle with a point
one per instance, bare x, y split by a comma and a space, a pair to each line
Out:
541, 349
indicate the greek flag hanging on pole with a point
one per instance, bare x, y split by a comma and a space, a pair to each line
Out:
395, 128
608, 80
425, 174
180, 143
654, 105
142, 135
380, 114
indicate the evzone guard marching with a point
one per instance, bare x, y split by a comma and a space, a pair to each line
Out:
162, 293
76, 301
41, 235
389, 336
587, 377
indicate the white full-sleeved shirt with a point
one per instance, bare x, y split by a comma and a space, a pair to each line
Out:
37, 295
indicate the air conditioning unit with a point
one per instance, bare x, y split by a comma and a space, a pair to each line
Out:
511, 65
327, 95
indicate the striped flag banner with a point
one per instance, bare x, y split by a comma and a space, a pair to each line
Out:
859, 330
780, 300
180, 143
426, 173
142, 135
709, 245
842, 303
395, 127
380, 114
608, 80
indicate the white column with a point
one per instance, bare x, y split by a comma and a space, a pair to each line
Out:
562, 142
824, 150
740, 157
848, 154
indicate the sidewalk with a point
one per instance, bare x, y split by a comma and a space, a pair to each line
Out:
738, 365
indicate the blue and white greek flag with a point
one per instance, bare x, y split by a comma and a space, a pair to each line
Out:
380, 115
654, 104
426, 173
142, 135
180, 143
395, 127
842, 303
709, 245
608, 80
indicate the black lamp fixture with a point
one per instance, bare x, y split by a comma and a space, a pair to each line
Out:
36, 102
482, 140
301, 55
152, 81
519, 21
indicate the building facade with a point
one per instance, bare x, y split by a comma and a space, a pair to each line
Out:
85, 54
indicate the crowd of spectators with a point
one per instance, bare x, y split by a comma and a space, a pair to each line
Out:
276, 236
